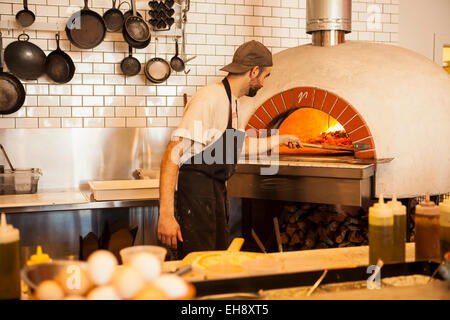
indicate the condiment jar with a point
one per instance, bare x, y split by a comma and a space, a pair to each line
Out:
427, 230
9, 261
399, 212
381, 232
444, 222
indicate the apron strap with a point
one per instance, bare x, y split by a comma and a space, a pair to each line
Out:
226, 84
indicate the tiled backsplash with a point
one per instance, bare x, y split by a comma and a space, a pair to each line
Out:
100, 96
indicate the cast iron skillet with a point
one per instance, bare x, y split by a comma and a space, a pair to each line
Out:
59, 65
136, 28
113, 18
176, 62
157, 70
12, 92
25, 17
130, 66
86, 29
25, 59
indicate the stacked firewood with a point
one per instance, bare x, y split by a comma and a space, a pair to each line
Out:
312, 226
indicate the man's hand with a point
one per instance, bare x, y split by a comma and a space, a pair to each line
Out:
168, 228
291, 141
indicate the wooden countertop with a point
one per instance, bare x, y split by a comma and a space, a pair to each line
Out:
320, 259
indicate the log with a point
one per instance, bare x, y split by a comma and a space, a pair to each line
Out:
295, 240
355, 237
333, 226
291, 228
285, 238
303, 226
292, 220
341, 236
345, 244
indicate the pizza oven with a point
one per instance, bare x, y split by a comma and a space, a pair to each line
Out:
392, 103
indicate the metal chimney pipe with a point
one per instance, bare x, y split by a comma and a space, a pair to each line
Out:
328, 21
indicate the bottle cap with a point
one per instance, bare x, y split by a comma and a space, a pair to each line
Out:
39, 257
427, 207
380, 213
7, 232
397, 207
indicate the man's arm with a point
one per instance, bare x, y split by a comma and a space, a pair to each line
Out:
254, 146
168, 228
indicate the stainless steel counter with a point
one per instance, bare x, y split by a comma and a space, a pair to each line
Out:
304, 181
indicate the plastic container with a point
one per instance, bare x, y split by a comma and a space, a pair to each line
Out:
399, 212
39, 257
159, 252
444, 231
9, 261
20, 181
381, 232
427, 231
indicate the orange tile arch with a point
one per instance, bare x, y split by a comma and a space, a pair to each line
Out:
328, 102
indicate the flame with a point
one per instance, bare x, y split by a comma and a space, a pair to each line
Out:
337, 127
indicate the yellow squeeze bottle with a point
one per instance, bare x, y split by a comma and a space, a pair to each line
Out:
381, 232
399, 212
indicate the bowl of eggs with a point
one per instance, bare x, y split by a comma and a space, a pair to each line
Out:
102, 278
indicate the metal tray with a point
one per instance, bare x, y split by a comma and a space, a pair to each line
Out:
288, 280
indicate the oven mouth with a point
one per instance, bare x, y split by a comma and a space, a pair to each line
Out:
328, 139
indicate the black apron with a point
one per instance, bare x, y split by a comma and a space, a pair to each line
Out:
202, 208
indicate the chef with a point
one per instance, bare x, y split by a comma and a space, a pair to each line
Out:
203, 152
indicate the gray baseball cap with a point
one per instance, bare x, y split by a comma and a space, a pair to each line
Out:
249, 55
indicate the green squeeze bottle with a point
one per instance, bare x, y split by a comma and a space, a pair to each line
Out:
9, 261
381, 232
399, 212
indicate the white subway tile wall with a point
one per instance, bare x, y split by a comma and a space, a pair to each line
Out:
99, 96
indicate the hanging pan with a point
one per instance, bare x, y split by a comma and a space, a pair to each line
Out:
59, 65
25, 59
130, 66
136, 29
86, 29
25, 17
157, 70
12, 92
133, 43
176, 62
113, 18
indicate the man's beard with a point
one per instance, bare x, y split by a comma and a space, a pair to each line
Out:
254, 87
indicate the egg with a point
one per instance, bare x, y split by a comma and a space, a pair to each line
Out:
49, 290
172, 285
74, 281
147, 264
101, 266
151, 292
103, 293
127, 281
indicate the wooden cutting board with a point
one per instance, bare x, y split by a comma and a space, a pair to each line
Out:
235, 246
41, 199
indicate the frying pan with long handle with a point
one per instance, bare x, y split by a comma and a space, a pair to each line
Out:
135, 44
130, 65
12, 92
113, 18
59, 65
136, 27
86, 29
25, 17
157, 70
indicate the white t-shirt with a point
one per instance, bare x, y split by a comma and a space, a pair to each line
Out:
205, 117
